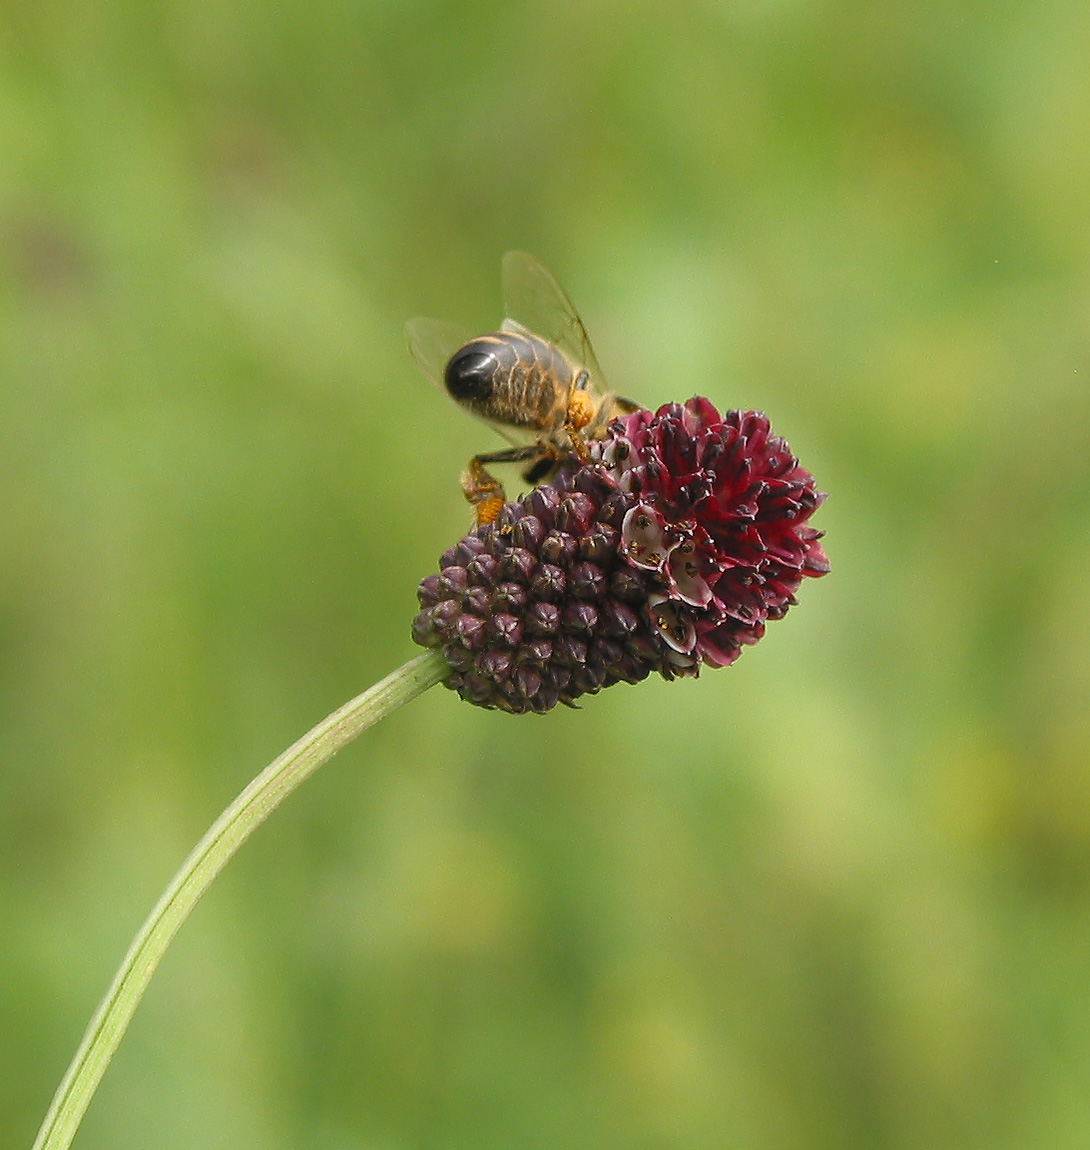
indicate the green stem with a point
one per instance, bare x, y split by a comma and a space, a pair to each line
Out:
206, 860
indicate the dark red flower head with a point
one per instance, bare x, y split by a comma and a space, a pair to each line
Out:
672, 547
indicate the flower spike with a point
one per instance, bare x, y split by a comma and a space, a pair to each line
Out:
671, 547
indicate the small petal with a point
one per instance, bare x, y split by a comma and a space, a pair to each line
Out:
643, 539
685, 577
676, 630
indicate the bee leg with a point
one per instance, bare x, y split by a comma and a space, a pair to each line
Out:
540, 469
483, 489
580, 414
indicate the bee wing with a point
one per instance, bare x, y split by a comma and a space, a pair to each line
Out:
431, 343
533, 299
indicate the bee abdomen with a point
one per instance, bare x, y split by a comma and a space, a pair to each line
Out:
510, 378
470, 376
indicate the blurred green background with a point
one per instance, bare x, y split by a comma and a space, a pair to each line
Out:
835, 896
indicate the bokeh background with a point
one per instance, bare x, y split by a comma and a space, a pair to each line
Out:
835, 896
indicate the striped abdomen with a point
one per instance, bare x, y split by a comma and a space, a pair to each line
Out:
514, 378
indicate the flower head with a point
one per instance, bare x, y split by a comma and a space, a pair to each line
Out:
672, 547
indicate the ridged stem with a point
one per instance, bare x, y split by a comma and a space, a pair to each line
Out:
267, 791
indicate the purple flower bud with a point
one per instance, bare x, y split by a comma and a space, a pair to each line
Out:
510, 598
579, 619
549, 582
505, 629
588, 581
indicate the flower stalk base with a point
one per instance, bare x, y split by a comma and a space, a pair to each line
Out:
252, 807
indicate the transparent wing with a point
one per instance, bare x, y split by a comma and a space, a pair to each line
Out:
431, 343
532, 297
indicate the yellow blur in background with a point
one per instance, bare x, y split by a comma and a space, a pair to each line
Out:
836, 896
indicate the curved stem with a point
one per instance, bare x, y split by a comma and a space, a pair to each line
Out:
205, 861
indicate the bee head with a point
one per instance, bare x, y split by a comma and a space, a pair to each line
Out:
470, 374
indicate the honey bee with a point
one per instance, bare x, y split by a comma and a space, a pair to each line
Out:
536, 381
